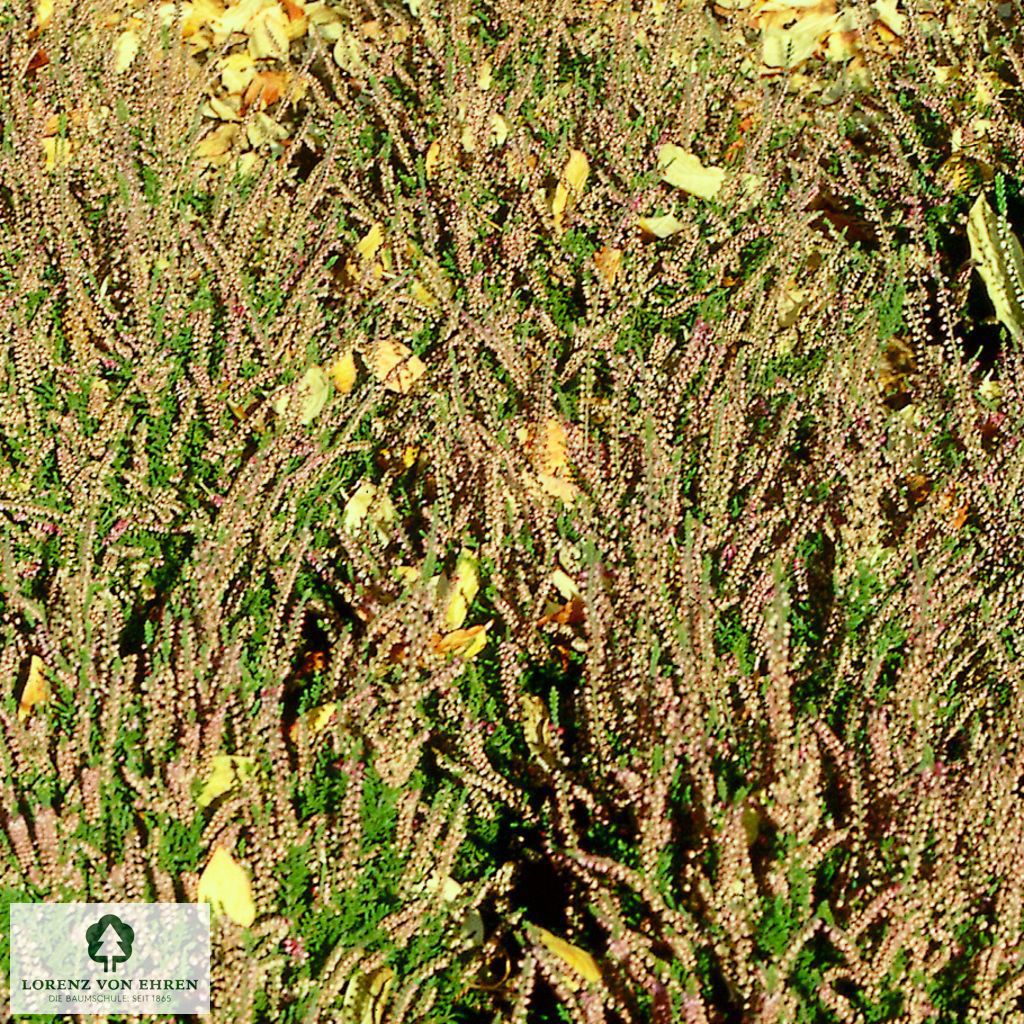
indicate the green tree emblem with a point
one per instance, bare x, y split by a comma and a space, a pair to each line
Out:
110, 941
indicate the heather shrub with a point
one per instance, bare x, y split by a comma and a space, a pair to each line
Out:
608, 589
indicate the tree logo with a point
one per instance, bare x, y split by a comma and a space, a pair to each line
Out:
110, 941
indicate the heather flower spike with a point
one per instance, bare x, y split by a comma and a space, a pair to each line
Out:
657, 316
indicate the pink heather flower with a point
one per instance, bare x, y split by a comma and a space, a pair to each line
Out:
296, 949
119, 527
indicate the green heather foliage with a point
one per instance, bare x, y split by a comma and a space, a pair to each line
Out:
746, 724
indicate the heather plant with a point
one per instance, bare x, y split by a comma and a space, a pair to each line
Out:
516, 504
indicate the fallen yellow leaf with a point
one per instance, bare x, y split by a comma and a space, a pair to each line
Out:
538, 729
37, 689
564, 585
395, 365
315, 720
369, 501
570, 185
311, 390
464, 589
348, 53
432, 159
226, 109
608, 261
365, 996
787, 42
325, 20
56, 152
125, 49
263, 130
217, 143
997, 252
198, 15
314, 389
579, 960
237, 72
660, 227
225, 885
558, 487
890, 17
268, 34
546, 444
343, 372
237, 17
369, 244
226, 772
499, 130
685, 171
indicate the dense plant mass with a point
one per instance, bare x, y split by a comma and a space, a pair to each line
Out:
517, 504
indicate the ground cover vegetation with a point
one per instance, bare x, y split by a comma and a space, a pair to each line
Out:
517, 504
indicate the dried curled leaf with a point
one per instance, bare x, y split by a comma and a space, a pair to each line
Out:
572, 613
538, 729
225, 885
1000, 262
265, 89
467, 643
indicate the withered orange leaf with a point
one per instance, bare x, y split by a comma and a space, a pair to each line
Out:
266, 88
570, 614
